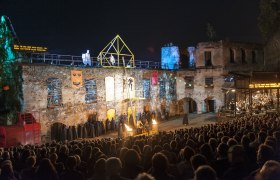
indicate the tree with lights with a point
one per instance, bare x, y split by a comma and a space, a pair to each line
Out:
11, 95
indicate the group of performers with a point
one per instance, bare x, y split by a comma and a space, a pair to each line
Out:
94, 128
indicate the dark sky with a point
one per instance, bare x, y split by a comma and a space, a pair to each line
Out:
73, 26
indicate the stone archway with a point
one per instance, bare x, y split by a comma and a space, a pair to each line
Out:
210, 104
187, 105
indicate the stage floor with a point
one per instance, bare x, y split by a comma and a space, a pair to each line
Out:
195, 120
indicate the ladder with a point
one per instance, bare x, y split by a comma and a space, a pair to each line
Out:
127, 89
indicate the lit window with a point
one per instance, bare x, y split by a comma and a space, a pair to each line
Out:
208, 58
91, 96
54, 92
209, 82
229, 79
188, 82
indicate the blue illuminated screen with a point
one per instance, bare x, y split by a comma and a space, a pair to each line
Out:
170, 57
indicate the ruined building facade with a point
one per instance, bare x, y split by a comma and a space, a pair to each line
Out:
107, 92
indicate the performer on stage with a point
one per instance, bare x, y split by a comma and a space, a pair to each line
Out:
186, 119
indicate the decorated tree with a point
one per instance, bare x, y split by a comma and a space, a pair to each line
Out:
11, 97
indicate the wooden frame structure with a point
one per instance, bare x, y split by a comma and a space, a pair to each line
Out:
116, 55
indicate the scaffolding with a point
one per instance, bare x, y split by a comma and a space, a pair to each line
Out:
116, 55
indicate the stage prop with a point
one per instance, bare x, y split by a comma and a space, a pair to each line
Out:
154, 126
110, 88
76, 79
86, 58
26, 131
116, 54
91, 91
130, 88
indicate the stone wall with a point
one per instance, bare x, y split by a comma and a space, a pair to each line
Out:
74, 109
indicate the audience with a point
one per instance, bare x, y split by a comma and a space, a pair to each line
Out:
247, 147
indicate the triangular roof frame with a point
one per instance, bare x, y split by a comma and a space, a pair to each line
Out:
121, 53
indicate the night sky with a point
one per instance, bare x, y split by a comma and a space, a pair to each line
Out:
73, 26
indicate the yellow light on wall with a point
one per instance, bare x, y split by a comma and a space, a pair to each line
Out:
264, 85
30, 48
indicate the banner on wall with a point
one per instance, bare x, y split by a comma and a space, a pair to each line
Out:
76, 78
110, 88
154, 78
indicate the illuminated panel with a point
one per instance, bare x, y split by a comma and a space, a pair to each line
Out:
54, 92
91, 96
265, 85
30, 48
170, 57
146, 88
162, 88
191, 55
110, 88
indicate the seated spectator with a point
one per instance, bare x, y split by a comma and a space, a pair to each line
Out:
238, 168
71, 171
206, 150
270, 170
113, 169
185, 167
221, 163
28, 173
198, 160
100, 169
205, 172
159, 167
131, 167
46, 171
147, 157
265, 153
7, 171
144, 176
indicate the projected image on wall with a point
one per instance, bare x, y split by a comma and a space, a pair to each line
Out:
170, 57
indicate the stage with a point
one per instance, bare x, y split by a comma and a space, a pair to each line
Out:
195, 120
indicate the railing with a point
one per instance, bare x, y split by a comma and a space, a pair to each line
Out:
69, 60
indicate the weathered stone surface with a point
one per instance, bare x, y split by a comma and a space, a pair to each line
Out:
75, 110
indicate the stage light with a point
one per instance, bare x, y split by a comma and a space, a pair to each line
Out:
154, 126
129, 129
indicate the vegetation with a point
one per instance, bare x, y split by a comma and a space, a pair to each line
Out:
268, 20
11, 95
211, 33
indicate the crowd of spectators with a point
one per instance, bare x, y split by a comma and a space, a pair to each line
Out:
244, 148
